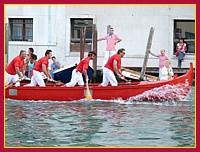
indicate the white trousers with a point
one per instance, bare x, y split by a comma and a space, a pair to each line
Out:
36, 79
12, 78
107, 55
108, 76
76, 78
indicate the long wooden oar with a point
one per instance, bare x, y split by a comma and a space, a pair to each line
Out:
54, 81
10, 85
88, 95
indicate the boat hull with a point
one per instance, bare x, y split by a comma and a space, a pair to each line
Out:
123, 91
64, 74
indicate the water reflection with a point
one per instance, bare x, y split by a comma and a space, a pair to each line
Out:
181, 123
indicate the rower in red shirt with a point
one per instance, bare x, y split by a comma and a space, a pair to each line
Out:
15, 70
40, 68
113, 66
81, 68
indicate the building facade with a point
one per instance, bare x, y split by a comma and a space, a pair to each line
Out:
58, 27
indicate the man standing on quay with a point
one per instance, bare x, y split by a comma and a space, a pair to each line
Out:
112, 40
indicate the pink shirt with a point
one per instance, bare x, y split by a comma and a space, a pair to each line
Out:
111, 41
162, 59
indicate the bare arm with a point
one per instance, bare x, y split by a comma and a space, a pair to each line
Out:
18, 72
22, 70
46, 71
177, 48
26, 64
118, 40
103, 38
185, 48
85, 73
117, 71
100, 39
153, 54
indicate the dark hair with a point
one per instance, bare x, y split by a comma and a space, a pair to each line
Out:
47, 52
34, 57
182, 39
31, 49
22, 51
53, 57
91, 52
120, 50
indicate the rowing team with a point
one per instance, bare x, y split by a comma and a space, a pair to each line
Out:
15, 70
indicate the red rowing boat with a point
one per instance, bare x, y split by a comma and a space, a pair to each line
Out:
124, 91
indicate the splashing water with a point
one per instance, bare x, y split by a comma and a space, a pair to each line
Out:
164, 93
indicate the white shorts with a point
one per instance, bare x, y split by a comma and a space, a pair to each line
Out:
12, 78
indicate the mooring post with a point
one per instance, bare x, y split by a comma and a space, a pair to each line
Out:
82, 42
149, 42
94, 42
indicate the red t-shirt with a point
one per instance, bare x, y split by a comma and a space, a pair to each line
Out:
16, 62
38, 65
84, 64
109, 64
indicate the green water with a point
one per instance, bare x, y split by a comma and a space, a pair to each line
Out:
100, 123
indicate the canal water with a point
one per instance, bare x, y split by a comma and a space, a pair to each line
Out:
116, 123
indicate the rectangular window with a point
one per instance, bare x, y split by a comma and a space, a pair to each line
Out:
76, 25
185, 29
21, 29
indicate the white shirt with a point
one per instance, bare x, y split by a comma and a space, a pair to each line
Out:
165, 73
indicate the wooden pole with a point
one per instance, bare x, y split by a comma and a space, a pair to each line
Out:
6, 43
94, 42
149, 42
82, 42
84, 35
